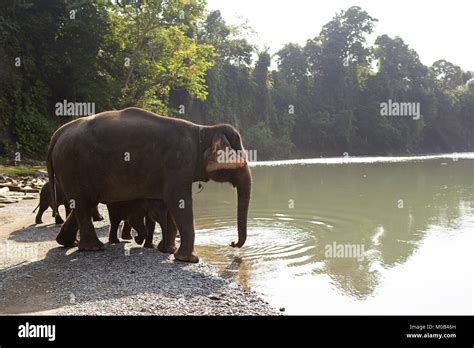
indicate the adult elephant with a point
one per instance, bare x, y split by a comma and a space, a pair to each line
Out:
135, 154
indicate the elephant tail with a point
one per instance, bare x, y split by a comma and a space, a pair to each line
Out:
35, 208
49, 163
49, 166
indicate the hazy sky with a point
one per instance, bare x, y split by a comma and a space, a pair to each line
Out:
435, 29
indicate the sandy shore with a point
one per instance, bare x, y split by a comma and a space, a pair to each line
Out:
37, 276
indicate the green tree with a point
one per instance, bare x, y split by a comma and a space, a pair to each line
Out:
160, 51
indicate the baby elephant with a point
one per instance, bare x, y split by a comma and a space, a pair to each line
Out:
134, 213
45, 203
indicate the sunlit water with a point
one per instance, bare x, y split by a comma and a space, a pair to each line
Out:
411, 218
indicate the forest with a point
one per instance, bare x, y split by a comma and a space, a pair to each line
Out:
177, 59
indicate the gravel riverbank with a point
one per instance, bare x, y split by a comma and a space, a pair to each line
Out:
37, 276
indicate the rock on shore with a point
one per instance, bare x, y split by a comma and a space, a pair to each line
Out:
13, 190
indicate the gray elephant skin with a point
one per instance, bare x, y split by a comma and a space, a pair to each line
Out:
131, 154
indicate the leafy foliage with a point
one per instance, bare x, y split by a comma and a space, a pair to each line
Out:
173, 58
112, 54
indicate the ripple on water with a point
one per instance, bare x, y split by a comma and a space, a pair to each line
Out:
270, 235
274, 240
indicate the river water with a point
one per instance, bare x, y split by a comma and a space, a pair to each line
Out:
391, 235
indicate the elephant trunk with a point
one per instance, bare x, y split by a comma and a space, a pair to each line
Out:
244, 188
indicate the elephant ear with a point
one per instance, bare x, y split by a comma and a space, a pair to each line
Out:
222, 156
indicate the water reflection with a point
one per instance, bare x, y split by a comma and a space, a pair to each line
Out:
298, 210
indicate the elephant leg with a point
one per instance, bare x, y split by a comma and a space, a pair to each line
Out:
150, 229
57, 218
68, 210
42, 208
96, 215
137, 223
181, 208
114, 224
168, 231
126, 229
68, 233
88, 240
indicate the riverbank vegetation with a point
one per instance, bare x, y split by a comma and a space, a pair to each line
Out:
175, 58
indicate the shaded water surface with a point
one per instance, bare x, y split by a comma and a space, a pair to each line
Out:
407, 221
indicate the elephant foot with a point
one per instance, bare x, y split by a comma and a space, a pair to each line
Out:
58, 221
72, 244
38, 221
92, 245
97, 218
67, 242
166, 249
149, 245
114, 240
139, 239
186, 257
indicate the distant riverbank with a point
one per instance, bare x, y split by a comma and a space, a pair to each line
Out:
366, 159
